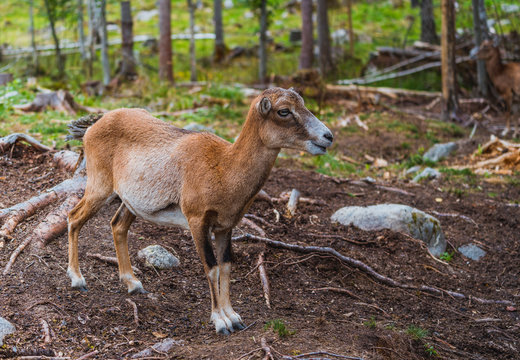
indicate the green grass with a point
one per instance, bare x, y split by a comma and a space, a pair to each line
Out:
278, 327
447, 256
416, 332
371, 323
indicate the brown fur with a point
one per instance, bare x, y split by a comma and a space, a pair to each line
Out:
166, 174
505, 78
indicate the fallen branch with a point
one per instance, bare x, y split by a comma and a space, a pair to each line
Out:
134, 306
463, 217
292, 204
10, 140
46, 332
257, 218
381, 187
263, 196
264, 279
66, 159
245, 221
111, 261
338, 290
326, 353
366, 269
267, 349
60, 100
88, 355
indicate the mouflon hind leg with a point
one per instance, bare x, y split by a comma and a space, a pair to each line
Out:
120, 224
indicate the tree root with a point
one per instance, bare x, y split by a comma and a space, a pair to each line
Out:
366, 269
10, 140
264, 279
111, 261
54, 224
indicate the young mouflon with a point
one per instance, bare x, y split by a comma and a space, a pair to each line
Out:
193, 180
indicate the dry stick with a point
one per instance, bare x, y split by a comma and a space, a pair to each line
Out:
249, 353
267, 349
338, 290
46, 332
136, 318
264, 279
463, 217
257, 218
327, 353
366, 268
111, 261
88, 355
382, 187
292, 204
253, 226
262, 195
10, 140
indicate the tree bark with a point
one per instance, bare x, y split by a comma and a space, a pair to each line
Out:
33, 40
220, 46
165, 41
326, 63
193, 59
449, 91
52, 20
428, 32
102, 4
81, 32
307, 50
350, 28
92, 26
262, 55
480, 35
127, 46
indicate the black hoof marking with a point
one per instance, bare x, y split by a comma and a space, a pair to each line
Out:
224, 331
82, 289
239, 326
138, 291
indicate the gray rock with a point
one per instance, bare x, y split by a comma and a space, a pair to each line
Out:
6, 328
198, 128
413, 169
427, 173
158, 257
400, 218
472, 251
439, 151
161, 347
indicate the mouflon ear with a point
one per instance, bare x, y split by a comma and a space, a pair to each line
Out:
264, 106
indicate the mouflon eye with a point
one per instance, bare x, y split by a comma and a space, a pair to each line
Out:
284, 112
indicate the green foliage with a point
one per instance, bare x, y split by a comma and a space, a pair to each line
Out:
430, 350
279, 327
328, 164
371, 323
417, 159
447, 256
416, 332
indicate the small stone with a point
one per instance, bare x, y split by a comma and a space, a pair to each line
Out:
472, 251
427, 174
158, 257
511, 308
6, 328
161, 347
440, 151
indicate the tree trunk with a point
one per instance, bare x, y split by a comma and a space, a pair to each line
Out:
220, 46
326, 63
262, 55
350, 28
33, 40
165, 41
193, 60
307, 51
127, 47
92, 31
428, 33
480, 30
102, 4
81, 32
52, 19
449, 91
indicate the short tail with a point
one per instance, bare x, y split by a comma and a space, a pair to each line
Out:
78, 128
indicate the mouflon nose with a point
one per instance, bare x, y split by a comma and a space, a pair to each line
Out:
328, 136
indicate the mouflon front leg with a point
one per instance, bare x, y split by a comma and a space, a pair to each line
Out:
200, 231
120, 224
224, 257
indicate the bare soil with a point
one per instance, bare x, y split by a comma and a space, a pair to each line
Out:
377, 323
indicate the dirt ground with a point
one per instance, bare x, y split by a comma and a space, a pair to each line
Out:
378, 322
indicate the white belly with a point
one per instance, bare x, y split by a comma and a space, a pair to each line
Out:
171, 216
